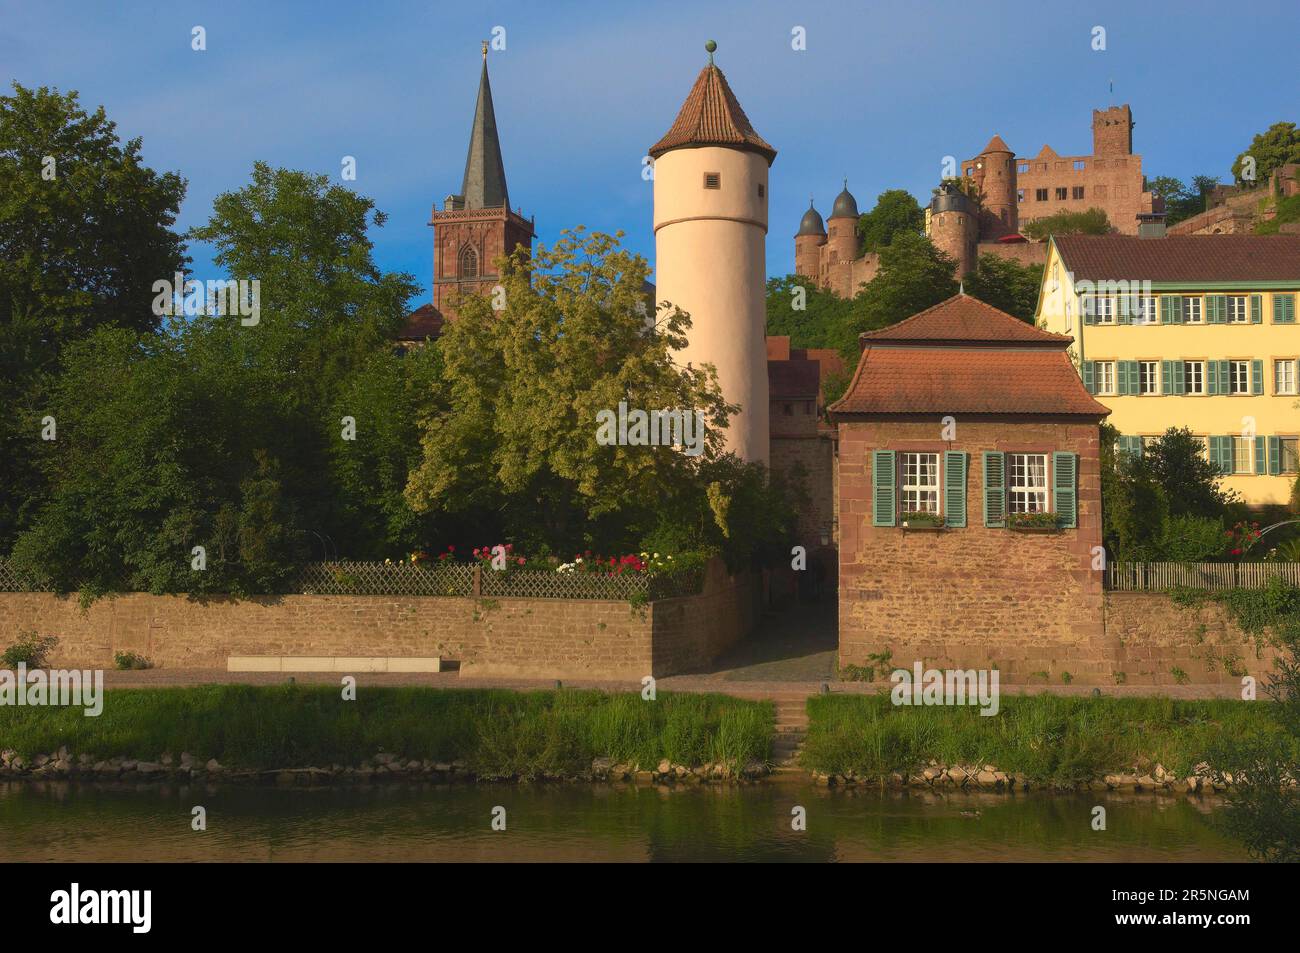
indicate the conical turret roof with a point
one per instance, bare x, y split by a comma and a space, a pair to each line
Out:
484, 185
711, 116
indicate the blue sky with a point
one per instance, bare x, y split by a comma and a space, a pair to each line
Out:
881, 94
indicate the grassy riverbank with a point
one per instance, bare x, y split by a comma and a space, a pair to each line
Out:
1047, 738
496, 733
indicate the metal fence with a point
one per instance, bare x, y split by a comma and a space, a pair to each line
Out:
348, 578
1155, 576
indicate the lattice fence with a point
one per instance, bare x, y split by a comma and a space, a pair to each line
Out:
13, 579
1146, 577
560, 585
384, 579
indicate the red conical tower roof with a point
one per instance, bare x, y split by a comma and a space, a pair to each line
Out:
711, 116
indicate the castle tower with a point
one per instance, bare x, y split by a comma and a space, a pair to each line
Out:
842, 240
1112, 131
476, 227
953, 228
710, 221
807, 244
995, 174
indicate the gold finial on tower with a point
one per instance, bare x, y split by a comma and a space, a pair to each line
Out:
485, 45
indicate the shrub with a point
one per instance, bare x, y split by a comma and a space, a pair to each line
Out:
127, 661
29, 649
1191, 538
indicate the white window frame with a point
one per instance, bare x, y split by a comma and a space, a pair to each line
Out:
1193, 310
1238, 309
1105, 381
1027, 483
1243, 454
1194, 375
1104, 306
1145, 305
1284, 376
1148, 373
1233, 368
1294, 455
920, 490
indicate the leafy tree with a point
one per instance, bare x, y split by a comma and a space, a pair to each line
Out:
1274, 147
818, 324
1007, 285
1091, 222
1177, 462
1181, 201
85, 230
896, 212
514, 436
913, 276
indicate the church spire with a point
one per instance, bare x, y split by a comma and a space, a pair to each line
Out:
484, 185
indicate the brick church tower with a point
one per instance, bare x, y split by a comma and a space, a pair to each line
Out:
473, 228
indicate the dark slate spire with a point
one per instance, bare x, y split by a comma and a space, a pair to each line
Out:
484, 185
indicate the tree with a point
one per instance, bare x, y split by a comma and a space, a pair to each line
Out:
913, 276
1006, 284
820, 320
1182, 202
1091, 222
85, 229
515, 435
1177, 462
1275, 147
896, 212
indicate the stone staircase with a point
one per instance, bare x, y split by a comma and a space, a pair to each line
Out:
791, 729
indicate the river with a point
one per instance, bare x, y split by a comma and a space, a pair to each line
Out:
64, 821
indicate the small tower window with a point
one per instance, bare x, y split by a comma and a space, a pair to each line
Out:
713, 180
468, 263
761, 190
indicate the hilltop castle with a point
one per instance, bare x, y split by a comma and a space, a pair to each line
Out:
1013, 191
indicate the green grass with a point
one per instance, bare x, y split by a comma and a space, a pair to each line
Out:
499, 734
1050, 739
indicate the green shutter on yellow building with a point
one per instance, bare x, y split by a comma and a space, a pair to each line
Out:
1256, 309
1284, 309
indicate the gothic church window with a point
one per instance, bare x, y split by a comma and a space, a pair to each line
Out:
468, 262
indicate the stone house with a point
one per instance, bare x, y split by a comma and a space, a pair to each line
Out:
969, 496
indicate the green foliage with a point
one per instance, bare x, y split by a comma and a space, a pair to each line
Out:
129, 661
913, 276
216, 434
28, 649
1052, 740
513, 437
1166, 504
1091, 222
821, 321
1288, 211
78, 250
896, 213
1274, 147
1007, 285
501, 734
1181, 201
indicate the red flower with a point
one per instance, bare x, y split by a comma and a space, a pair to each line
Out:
1236, 552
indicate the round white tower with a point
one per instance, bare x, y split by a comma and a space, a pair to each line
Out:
710, 220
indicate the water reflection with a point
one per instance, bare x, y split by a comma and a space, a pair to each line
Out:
63, 821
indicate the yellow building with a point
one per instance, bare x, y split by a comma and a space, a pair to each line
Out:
1188, 331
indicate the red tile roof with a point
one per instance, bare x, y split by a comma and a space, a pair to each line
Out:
966, 320
963, 356
424, 322
711, 116
1183, 258
793, 379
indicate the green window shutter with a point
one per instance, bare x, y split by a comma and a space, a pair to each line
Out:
1088, 308
1171, 309
1222, 456
995, 489
1121, 378
1211, 377
1065, 492
1284, 309
1225, 377
1089, 369
1168, 383
1261, 458
1180, 377
1134, 385
1274, 455
884, 479
954, 488
1257, 377
1123, 313
1256, 309
1216, 307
